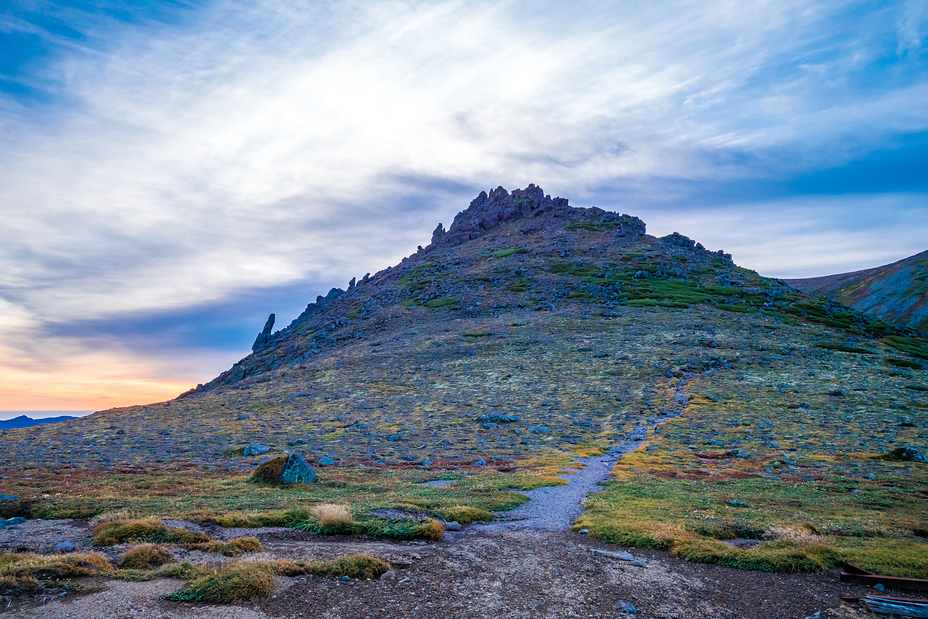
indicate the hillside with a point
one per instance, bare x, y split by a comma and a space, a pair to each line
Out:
727, 417
896, 293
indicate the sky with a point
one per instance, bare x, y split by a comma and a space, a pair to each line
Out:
173, 171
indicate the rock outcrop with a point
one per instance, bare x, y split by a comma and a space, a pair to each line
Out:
265, 336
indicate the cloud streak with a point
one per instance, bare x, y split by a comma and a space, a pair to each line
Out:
192, 155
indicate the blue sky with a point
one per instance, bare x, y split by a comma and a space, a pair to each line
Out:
172, 172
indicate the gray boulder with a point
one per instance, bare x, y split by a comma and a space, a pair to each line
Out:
326, 461
255, 450
297, 471
64, 547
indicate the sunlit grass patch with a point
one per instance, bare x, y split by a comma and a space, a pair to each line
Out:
233, 548
465, 515
231, 583
146, 557
147, 530
363, 567
693, 519
329, 514
24, 570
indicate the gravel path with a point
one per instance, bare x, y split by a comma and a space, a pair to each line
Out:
555, 508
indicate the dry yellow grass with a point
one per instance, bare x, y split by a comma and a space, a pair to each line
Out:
146, 557
331, 514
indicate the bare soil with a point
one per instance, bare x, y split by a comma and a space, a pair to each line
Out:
528, 574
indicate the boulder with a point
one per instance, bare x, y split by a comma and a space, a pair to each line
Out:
297, 471
904, 454
64, 547
326, 461
255, 450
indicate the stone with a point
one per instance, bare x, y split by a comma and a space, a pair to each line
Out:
11, 522
265, 336
499, 418
243, 417
744, 454
391, 575
255, 450
480, 462
539, 430
426, 463
905, 454
65, 547
738, 503
326, 461
295, 442
7, 497
297, 471
626, 607
452, 526
618, 554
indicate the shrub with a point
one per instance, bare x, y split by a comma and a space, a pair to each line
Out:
146, 557
430, 529
269, 472
232, 583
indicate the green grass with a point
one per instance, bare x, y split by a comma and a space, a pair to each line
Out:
23, 571
690, 518
911, 346
147, 530
592, 226
363, 567
505, 253
903, 363
845, 348
232, 583
436, 303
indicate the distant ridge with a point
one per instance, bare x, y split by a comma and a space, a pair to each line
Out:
25, 422
896, 293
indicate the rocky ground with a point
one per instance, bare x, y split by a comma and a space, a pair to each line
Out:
526, 566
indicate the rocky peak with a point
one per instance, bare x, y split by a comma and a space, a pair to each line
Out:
488, 211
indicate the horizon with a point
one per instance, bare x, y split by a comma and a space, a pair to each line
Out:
175, 172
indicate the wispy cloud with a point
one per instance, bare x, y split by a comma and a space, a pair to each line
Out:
194, 153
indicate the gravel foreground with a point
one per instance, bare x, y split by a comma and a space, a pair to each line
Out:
520, 574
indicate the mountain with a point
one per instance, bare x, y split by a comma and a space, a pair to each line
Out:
25, 422
896, 293
572, 319
525, 335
